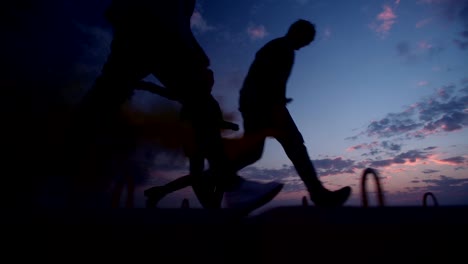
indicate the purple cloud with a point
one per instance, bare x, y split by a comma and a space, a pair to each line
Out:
429, 171
444, 111
454, 160
406, 157
384, 21
257, 32
326, 167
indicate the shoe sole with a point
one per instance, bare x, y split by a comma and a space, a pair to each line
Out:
336, 204
260, 202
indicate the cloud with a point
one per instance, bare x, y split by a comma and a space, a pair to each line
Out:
424, 45
384, 21
403, 48
422, 49
411, 156
445, 181
363, 146
288, 174
430, 148
429, 171
431, 1
199, 24
452, 11
257, 32
448, 191
424, 22
463, 45
444, 111
423, 83
327, 33
336, 166
374, 147
454, 160
393, 124
391, 146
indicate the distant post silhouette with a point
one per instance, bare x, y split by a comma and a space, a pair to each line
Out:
380, 197
185, 204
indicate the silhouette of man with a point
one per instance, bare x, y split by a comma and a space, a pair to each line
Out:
263, 101
155, 37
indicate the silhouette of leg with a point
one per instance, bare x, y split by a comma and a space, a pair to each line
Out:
249, 149
241, 152
156, 193
293, 144
204, 113
99, 127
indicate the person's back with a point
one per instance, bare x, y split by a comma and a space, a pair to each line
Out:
265, 84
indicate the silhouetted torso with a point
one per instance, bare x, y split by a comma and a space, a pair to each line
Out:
265, 84
159, 28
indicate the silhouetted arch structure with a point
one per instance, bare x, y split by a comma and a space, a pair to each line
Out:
380, 197
434, 199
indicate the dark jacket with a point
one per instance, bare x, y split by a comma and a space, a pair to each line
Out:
265, 84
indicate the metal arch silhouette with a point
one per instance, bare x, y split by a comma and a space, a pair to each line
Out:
434, 199
380, 196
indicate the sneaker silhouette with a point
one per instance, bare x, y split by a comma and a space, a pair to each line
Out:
153, 196
247, 196
326, 198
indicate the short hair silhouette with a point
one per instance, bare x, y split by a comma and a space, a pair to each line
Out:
301, 32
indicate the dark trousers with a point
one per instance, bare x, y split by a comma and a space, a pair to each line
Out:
283, 128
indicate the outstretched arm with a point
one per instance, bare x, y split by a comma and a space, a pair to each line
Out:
166, 93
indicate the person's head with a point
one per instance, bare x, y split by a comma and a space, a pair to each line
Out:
301, 33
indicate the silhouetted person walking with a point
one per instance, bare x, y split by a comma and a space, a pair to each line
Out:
155, 37
262, 104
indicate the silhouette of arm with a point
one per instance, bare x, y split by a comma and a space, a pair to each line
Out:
169, 94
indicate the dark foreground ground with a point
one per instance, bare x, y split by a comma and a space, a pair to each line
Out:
280, 235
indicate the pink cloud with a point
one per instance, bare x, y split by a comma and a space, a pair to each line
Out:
387, 14
363, 146
431, 1
423, 83
327, 33
257, 32
424, 45
423, 22
385, 21
453, 161
199, 23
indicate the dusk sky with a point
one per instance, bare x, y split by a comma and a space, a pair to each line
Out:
384, 85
